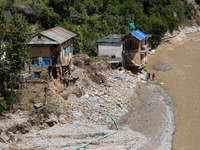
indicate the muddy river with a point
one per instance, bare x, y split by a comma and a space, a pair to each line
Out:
183, 85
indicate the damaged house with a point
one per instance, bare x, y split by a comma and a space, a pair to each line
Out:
51, 52
130, 50
135, 49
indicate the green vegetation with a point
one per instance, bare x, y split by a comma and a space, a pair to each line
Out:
93, 19
15, 36
189, 9
97, 58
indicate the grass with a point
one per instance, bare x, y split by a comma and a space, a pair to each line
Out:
97, 58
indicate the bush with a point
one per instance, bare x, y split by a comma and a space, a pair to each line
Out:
3, 104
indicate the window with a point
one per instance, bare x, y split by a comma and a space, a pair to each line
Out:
35, 61
39, 37
65, 51
36, 75
46, 61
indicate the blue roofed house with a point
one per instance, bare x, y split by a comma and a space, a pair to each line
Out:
130, 49
135, 49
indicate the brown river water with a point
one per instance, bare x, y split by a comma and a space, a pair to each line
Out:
182, 83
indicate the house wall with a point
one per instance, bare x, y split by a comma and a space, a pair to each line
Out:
143, 45
39, 51
43, 38
134, 50
110, 49
68, 45
132, 43
136, 57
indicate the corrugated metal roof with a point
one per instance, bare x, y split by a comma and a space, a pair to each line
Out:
109, 40
58, 35
112, 38
139, 34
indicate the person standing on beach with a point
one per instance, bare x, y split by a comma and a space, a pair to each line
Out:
153, 76
148, 76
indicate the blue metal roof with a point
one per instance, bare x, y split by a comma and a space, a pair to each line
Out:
139, 34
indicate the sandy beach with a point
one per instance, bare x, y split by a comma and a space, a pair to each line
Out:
183, 85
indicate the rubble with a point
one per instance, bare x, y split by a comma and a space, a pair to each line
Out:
76, 113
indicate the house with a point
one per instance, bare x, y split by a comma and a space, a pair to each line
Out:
130, 50
51, 52
111, 45
135, 49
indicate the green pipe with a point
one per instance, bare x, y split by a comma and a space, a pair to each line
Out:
101, 136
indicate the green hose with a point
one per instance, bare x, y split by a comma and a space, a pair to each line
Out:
102, 136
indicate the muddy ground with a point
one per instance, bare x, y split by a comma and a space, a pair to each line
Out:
183, 84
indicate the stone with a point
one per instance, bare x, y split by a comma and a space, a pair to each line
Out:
77, 114
24, 127
119, 104
4, 137
94, 98
142, 76
52, 120
62, 119
38, 105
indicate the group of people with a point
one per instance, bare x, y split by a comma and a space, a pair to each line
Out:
149, 76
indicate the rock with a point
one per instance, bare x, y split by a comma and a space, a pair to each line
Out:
119, 104
52, 120
142, 76
77, 114
62, 119
24, 127
3, 137
94, 98
38, 105
28, 11
77, 91
108, 85
65, 94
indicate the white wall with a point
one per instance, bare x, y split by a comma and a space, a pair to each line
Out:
110, 49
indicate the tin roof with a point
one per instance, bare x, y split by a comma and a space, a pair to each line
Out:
56, 35
113, 38
104, 40
139, 34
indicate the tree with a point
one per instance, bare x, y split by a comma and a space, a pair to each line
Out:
15, 36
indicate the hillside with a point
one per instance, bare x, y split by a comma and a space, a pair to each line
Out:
92, 20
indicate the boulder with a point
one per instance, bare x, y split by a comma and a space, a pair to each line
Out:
28, 11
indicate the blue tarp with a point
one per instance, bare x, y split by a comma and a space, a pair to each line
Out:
139, 34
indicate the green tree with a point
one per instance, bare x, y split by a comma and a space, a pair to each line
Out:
46, 16
17, 52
